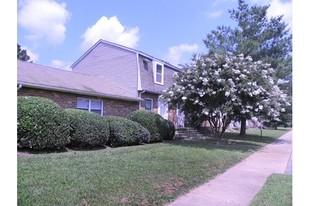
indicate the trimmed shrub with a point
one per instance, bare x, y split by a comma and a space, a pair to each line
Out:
170, 129
88, 129
124, 132
153, 122
41, 124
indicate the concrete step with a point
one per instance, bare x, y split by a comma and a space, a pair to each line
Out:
187, 133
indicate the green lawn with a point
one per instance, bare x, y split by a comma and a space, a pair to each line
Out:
152, 174
277, 191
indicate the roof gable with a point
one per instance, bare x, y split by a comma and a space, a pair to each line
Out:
137, 52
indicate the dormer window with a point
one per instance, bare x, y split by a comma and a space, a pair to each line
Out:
145, 65
159, 73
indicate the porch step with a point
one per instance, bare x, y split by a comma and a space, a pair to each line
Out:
187, 133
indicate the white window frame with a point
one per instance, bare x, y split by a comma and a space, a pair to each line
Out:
89, 105
162, 73
151, 104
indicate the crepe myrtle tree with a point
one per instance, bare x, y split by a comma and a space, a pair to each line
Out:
219, 88
256, 35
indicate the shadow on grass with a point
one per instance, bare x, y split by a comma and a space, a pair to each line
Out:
281, 141
231, 141
67, 149
36, 151
284, 129
210, 144
249, 137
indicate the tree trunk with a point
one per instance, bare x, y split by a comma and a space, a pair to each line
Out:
243, 127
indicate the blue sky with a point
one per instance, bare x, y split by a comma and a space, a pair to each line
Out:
58, 32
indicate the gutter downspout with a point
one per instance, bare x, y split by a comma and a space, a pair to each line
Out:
19, 86
139, 74
140, 91
140, 94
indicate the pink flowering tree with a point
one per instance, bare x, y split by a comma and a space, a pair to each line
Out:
222, 88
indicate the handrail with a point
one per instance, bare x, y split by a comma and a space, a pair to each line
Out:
179, 122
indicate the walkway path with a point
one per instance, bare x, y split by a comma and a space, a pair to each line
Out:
238, 185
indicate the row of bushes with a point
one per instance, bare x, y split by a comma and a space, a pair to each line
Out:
42, 124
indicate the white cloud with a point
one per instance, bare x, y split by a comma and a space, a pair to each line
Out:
43, 19
57, 63
278, 8
215, 14
218, 2
33, 56
181, 53
60, 64
110, 29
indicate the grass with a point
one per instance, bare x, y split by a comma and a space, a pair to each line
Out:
277, 191
152, 174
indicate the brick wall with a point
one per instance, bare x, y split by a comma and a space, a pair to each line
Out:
119, 108
112, 107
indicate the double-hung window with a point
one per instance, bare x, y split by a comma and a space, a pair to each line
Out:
159, 73
91, 105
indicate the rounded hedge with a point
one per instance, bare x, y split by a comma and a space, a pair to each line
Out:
154, 123
169, 129
41, 124
124, 132
88, 129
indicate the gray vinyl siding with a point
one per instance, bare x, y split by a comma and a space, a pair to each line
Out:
114, 64
147, 76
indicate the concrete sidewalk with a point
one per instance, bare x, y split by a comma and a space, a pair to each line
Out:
239, 184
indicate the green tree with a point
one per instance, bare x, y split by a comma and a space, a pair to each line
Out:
218, 88
22, 54
267, 40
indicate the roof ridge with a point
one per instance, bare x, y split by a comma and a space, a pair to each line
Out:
125, 48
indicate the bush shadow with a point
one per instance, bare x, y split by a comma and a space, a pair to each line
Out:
249, 137
67, 149
43, 151
231, 141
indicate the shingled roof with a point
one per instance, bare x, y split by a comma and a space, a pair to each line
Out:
44, 77
127, 49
